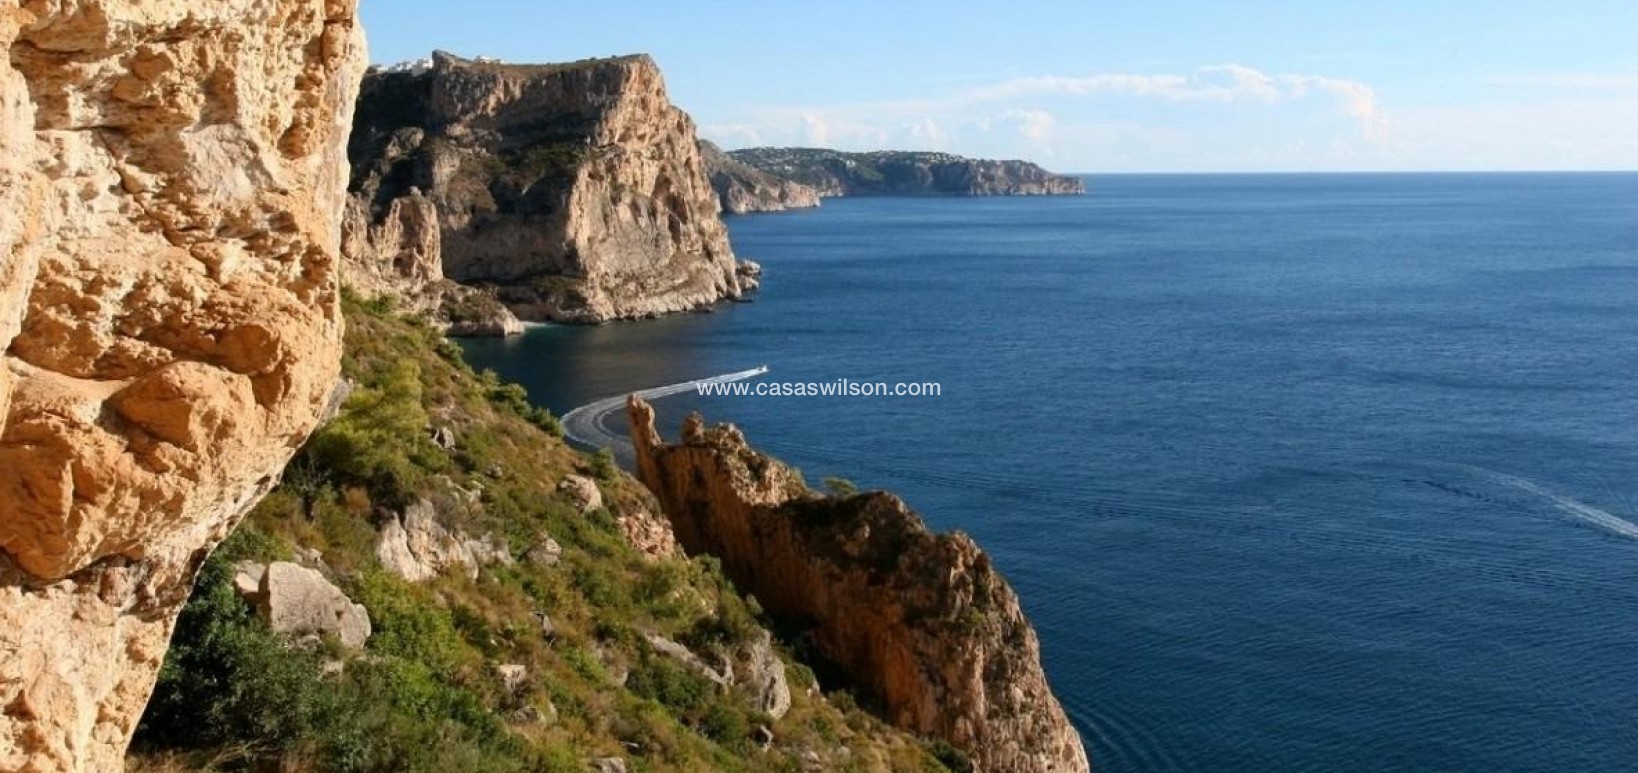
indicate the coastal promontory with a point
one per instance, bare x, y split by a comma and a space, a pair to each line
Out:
906, 173
571, 192
921, 622
743, 188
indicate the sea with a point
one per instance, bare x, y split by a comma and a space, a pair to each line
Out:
1291, 472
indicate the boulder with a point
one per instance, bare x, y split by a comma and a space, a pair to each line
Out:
513, 677
582, 492
300, 603
546, 553
687, 658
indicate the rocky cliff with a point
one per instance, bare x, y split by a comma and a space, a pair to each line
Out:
743, 188
922, 622
900, 173
574, 192
399, 254
172, 175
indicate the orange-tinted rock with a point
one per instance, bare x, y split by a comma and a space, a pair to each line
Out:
172, 175
921, 621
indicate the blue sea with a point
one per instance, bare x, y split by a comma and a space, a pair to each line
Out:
1307, 472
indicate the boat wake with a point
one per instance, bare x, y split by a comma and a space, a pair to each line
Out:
1576, 509
588, 424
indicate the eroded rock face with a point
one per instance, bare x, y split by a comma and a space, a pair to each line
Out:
399, 254
576, 192
416, 547
922, 621
172, 175
743, 189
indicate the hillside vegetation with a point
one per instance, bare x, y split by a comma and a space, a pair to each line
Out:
427, 693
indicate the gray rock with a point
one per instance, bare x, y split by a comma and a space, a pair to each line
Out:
546, 553
442, 437
609, 765
687, 658
416, 547
247, 578
513, 677
765, 678
298, 602
582, 492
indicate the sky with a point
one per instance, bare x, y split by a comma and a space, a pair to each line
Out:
1159, 86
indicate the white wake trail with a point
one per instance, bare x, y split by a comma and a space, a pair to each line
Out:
1576, 509
588, 424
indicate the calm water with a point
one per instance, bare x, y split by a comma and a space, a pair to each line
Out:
1292, 472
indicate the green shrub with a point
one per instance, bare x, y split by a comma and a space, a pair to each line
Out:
953, 759
841, 487
380, 438
408, 622
515, 398
671, 684
726, 724
228, 680
604, 466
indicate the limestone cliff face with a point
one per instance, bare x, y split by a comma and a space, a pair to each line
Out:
900, 173
399, 254
172, 175
743, 189
575, 191
922, 621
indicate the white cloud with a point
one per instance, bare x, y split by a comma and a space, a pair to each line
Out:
1216, 83
815, 131
1033, 125
733, 133
928, 134
1231, 117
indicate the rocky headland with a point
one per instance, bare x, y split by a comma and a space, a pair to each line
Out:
905, 173
569, 192
920, 621
743, 188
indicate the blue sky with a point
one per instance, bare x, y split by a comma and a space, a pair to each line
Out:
1173, 85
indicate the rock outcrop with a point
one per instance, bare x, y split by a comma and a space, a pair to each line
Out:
171, 177
742, 188
582, 492
902, 173
922, 622
574, 192
416, 547
300, 603
399, 255
753, 668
